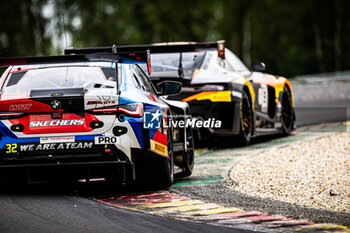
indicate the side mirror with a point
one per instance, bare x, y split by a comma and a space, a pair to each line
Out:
258, 66
169, 88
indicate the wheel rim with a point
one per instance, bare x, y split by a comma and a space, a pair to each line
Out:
286, 109
246, 116
170, 155
190, 151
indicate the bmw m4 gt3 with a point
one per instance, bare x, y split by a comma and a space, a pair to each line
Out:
92, 115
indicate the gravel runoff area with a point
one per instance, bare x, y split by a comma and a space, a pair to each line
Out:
312, 173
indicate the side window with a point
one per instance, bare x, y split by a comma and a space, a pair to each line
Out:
141, 79
135, 78
136, 81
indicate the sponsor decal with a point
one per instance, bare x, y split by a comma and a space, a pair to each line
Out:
56, 146
213, 96
19, 107
105, 102
220, 96
160, 148
57, 139
56, 115
56, 123
93, 101
263, 97
106, 140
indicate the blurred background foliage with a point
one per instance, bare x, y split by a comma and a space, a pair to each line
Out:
291, 37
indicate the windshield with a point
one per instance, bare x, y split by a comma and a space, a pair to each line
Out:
168, 63
54, 77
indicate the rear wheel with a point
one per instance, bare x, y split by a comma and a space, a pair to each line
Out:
166, 168
246, 121
156, 173
287, 114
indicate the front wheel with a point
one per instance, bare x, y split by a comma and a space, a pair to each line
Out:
287, 112
246, 121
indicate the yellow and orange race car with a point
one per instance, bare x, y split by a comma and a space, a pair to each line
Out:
219, 87
225, 97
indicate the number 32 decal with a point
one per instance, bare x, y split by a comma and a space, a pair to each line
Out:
11, 148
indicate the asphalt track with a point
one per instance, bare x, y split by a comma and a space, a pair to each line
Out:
316, 112
70, 209
60, 209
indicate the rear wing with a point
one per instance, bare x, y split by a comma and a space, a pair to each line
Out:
111, 56
174, 47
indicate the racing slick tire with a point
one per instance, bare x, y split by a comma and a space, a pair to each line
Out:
287, 114
156, 173
246, 121
166, 165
